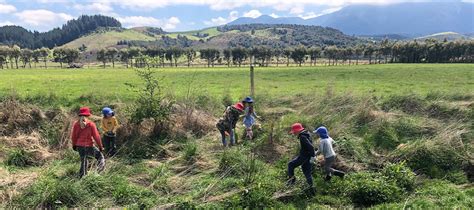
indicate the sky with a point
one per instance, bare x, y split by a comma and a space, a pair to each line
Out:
171, 15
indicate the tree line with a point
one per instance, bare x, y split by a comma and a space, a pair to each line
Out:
429, 51
73, 29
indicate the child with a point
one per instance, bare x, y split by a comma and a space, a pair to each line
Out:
304, 158
83, 131
227, 123
109, 127
249, 116
325, 148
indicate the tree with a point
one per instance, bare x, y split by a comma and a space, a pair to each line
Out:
169, 56
71, 55
287, 54
36, 56
190, 55
227, 56
299, 55
314, 53
239, 55
277, 53
44, 54
358, 50
211, 55
102, 56
25, 57
177, 53
59, 54
368, 52
124, 56
15, 53
111, 55
4, 52
134, 52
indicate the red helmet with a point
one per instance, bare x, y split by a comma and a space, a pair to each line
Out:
84, 111
239, 106
296, 128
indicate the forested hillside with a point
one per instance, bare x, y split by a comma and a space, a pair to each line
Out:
73, 29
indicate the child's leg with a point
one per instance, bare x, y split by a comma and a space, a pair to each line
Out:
232, 137
291, 168
106, 144
113, 148
307, 169
249, 132
84, 163
223, 137
100, 159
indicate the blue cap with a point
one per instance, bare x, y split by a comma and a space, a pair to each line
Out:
107, 111
322, 132
248, 99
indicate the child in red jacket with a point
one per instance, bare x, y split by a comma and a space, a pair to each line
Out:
84, 132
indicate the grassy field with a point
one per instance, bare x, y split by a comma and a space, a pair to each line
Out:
376, 80
404, 134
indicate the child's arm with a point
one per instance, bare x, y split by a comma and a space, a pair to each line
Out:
116, 125
96, 136
102, 126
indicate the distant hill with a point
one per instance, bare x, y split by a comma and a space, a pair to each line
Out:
449, 36
73, 29
405, 19
252, 35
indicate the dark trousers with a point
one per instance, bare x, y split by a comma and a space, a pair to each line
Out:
305, 166
328, 162
85, 153
109, 145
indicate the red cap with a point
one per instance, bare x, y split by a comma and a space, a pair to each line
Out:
239, 106
84, 111
296, 128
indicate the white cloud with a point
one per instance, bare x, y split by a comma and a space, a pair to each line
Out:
96, 7
252, 14
296, 10
6, 8
273, 15
221, 20
41, 17
136, 21
6, 23
280, 5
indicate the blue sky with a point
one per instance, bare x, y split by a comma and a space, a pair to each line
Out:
171, 15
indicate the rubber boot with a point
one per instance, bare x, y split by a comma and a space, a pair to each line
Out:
339, 174
291, 181
328, 178
311, 191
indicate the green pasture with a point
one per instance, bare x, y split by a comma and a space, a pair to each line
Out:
379, 80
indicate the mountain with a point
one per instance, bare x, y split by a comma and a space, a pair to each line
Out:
73, 29
266, 19
405, 18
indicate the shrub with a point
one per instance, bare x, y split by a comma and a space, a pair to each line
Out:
150, 103
366, 189
400, 174
431, 158
385, 136
49, 192
408, 103
190, 151
19, 158
457, 177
